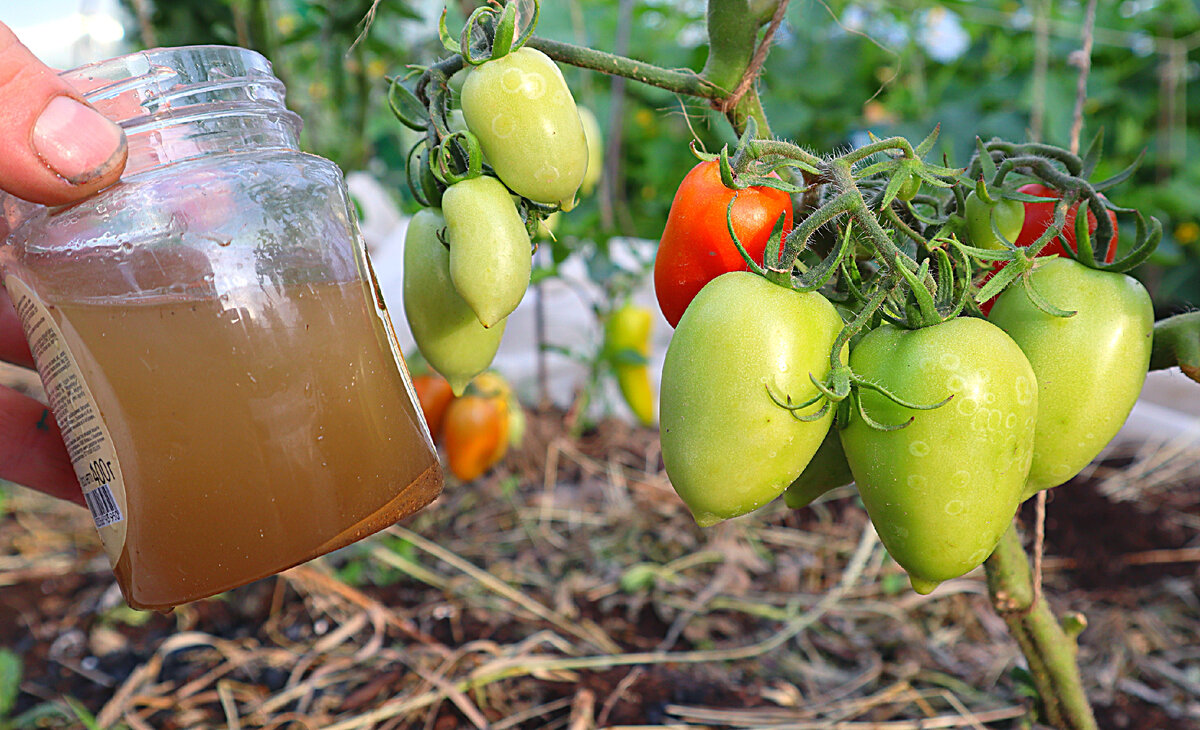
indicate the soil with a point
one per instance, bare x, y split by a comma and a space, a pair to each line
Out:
570, 523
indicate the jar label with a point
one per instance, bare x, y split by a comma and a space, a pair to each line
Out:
79, 419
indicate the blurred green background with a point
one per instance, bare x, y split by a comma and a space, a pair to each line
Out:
837, 70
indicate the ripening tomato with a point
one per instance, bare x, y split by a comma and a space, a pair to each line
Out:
942, 490
434, 394
727, 446
696, 247
521, 110
475, 434
1038, 217
446, 330
1090, 367
627, 342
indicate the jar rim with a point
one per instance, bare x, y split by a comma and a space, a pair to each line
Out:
162, 55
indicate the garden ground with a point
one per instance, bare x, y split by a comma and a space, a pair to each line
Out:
569, 588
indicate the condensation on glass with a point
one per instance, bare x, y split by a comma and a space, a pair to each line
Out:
211, 337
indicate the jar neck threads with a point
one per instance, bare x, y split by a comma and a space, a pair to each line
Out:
179, 104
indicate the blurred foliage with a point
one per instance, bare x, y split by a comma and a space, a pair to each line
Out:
838, 69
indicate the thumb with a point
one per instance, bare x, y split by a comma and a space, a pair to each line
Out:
57, 149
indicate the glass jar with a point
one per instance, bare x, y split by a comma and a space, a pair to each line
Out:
211, 337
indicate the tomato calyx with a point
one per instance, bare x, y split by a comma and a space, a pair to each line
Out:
488, 33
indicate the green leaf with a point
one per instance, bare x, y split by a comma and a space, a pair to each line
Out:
82, 714
10, 681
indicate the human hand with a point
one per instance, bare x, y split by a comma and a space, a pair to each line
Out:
54, 149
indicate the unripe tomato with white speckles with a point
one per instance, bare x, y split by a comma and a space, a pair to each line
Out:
942, 490
1090, 367
520, 109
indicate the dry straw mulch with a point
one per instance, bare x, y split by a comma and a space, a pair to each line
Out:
570, 589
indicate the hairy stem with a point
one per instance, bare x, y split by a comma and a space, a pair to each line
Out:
1048, 650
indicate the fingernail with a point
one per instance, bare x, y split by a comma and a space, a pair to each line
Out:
76, 141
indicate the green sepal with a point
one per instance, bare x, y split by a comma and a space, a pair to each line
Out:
1041, 302
407, 107
448, 41
750, 262
506, 30
1092, 156
1121, 176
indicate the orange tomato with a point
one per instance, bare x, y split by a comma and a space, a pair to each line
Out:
475, 434
433, 391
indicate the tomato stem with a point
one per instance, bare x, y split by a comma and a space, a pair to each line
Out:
1049, 651
688, 83
1177, 344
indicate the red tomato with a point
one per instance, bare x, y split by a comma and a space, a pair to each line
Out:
696, 247
433, 391
1037, 219
1039, 215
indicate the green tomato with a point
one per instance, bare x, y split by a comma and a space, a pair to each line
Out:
595, 147
490, 253
909, 188
1090, 367
521, 110
943, 489
1007, 215
826, 472
447, 332
727, 446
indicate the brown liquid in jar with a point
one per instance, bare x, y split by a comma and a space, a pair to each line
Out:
254, 431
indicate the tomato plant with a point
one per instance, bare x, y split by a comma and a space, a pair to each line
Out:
445, 328
1089, 366
942, 419
728, 448
943, 489
696, 247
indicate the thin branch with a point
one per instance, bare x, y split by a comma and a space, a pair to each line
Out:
1083, 57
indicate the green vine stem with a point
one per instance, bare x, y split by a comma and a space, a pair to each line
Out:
685, 82
1177, 344
1049, 651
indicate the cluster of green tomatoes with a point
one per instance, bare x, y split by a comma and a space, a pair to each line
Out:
490, 171
855, 346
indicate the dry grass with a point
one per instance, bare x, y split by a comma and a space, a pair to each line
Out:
570, 589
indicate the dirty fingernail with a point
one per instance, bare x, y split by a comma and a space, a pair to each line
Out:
76, 141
